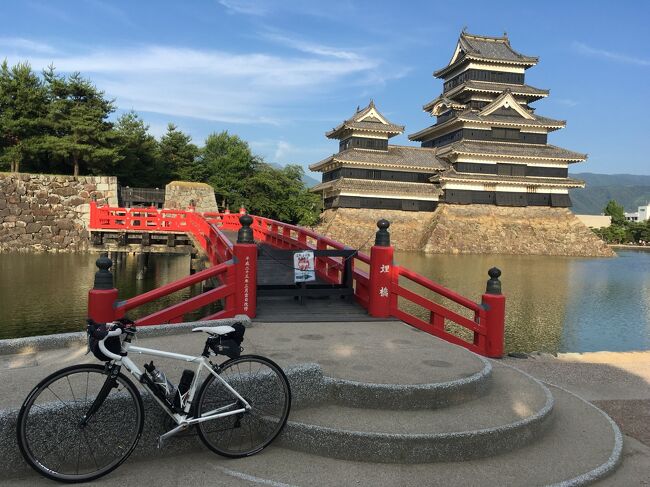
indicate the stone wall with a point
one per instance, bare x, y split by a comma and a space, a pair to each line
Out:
532, 230
180, 195
357, 227
471, 229
42, 212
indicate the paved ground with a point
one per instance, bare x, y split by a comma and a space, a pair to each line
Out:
617, 382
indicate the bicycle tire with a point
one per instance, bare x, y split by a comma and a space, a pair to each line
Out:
49, 426
264, 386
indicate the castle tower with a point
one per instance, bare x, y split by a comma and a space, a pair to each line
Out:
492, 139
367, 172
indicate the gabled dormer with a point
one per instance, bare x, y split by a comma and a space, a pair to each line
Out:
506, 103
366, 129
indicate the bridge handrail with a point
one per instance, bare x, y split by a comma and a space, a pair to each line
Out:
438, 289
124, 306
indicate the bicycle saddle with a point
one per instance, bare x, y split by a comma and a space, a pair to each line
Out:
215, 330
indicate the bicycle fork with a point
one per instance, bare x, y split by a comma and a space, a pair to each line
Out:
109, 383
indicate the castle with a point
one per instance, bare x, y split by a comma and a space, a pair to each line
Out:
488, 151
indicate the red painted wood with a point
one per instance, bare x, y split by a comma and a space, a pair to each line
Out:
381, 268
494, 338
424, 326
171, 288
180, 309
443, 291
439, 309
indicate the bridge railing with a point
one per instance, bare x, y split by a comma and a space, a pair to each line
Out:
143, 219
383, 289
292, 237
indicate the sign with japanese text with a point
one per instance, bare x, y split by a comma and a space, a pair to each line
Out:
303, 265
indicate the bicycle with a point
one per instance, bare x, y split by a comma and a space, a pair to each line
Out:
84, 421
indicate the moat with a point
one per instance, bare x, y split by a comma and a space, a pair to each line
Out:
555, 304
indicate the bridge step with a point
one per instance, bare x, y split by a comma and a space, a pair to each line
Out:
516, 411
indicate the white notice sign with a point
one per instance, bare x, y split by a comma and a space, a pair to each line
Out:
303, 264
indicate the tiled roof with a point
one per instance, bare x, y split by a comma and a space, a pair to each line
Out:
396, 156
507, 149
514, 118
487, 48
491, 48
379, 186
369, 123
473, 85
451, 174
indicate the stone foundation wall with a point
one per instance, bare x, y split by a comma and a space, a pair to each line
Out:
470, 229
42, 212
357, 227
180, 195
488, 229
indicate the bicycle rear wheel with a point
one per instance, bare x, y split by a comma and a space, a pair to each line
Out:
264, 386
55, 439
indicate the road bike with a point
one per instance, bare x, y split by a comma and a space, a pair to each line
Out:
83, 421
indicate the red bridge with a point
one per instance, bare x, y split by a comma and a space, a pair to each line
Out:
260, 263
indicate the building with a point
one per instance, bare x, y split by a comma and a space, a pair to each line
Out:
488, 146
641, 215
368, 172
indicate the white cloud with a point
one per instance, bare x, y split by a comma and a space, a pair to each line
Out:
25, 45
246, 7
613, 56
213, 85
309, 47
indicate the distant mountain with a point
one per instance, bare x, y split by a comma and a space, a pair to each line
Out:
628, 190
308, 180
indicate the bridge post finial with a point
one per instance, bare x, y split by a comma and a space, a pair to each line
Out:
493, 284
382, 237
494, 303
245, 233
103, 277
102, 297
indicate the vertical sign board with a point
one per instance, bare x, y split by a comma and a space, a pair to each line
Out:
303, 265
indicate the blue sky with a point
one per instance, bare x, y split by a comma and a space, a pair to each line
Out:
281, 73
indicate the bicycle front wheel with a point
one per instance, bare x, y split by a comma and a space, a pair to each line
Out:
264, 386
58, 439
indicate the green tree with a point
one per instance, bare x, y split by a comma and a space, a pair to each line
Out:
226, 163
81, 134
280, 194
616, 211
177, 150
23, 109
140, 163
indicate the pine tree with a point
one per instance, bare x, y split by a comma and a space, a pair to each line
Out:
140, 164
177, 150
23, 109
81, 134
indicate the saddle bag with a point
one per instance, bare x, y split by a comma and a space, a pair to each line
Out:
230, 343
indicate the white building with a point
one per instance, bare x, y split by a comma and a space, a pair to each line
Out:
641, 215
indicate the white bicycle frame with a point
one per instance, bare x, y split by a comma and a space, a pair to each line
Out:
201, 362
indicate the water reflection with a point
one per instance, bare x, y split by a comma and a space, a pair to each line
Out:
554, 303
47, 293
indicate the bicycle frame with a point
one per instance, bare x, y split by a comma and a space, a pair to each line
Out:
201, 362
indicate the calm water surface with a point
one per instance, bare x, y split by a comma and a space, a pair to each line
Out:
555, 304
48, 293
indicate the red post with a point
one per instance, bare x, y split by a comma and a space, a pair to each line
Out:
102, 297
381, 268
245, 253
495, 304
